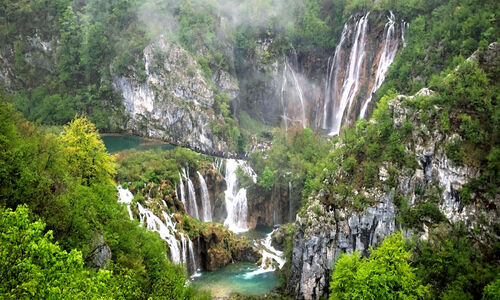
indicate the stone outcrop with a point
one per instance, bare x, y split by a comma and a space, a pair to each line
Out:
174, 102
219, 247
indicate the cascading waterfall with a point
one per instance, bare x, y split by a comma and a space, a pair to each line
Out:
351, 81
125, 196
386, 59
269, 254
166, 230
205, 199
236, 199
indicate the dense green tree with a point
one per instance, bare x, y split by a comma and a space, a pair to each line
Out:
32, 265
385, 274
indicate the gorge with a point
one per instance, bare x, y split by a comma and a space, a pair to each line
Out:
257, 149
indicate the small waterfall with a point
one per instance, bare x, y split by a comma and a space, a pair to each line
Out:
205, 199
351, 81
236, 199
283, 85
386, 59
125, 196
192, 208
166, 230
184, 249
275, 217
268, 253
192, 258
299, 91
183, 191
404, 26
290, 202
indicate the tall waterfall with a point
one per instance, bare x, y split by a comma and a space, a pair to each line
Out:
205, 200
301, 97
332, 88
351, 81
236, 199
125, 196
282, 95
386, 59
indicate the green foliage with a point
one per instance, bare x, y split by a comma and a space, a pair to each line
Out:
267, 179
293, 157
85, 152
78, 205
32, 265
385, 274
451, 266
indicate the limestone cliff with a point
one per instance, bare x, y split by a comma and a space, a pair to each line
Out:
174, 102
323, 232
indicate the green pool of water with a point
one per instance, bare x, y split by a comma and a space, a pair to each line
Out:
235, 278
117, 143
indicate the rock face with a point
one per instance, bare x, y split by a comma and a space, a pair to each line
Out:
174, 102
219, 247
101, 255
322, 234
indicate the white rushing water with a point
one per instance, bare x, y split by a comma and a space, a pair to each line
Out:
125, 196
236, 199
386, 59
299, 91
166, 230
331, 91
283, 85
205, 200
183, 191
351, 81
270, 255
192, 207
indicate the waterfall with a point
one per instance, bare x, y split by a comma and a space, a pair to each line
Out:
192, 257
275, 217
166, 230
333, 77
299, 91
184, 249
236, 199
283, 85
268, 253
404, 25
386, 59
183, 191
125, 196
290, 202
192, 208
351, 81
205, 200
